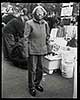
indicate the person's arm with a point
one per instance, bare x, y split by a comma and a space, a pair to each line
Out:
27, 31
64, 33
47, 32
24, 40
49, 47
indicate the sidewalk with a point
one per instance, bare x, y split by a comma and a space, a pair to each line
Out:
15, 79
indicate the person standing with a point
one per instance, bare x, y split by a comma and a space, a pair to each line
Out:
61, 30
9, 16
52, 21
36, 38
12, 33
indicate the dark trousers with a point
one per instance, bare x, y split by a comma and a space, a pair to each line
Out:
8, 43
35, 70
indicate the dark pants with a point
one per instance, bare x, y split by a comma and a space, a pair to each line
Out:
35, 71
8, 43
5, 51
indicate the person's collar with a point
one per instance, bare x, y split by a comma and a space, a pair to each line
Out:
39, 22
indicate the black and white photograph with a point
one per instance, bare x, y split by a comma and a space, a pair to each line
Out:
39, 49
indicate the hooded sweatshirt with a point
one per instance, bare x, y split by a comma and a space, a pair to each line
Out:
36, 35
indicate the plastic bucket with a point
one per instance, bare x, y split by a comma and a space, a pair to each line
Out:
67, 69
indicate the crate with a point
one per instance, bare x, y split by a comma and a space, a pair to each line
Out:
49, 65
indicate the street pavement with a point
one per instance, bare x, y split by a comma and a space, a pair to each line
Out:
15, 83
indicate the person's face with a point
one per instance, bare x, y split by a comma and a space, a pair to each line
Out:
39, 13
10, 10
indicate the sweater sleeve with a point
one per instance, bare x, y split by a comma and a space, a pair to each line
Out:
47, 32
27, 31
49, 47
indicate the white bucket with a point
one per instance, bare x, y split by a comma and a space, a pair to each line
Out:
68, 62
68, 56
67, 69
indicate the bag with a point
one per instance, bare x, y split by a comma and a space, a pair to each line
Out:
18, 52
